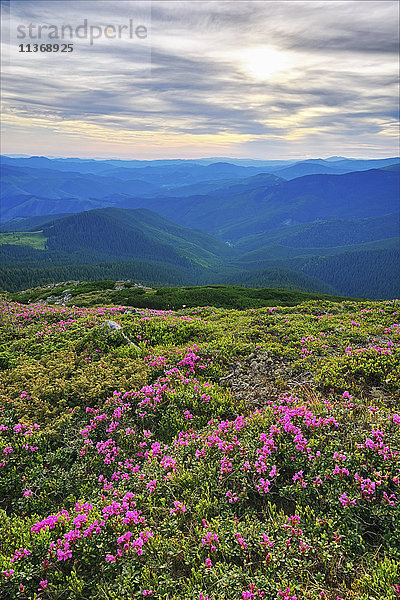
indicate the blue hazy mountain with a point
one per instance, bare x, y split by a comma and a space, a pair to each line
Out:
309, 168
331, 166
35, 186
232, 213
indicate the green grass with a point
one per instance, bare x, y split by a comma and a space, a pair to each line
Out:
34, 239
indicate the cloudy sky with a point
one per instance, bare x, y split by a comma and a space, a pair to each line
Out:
259, 79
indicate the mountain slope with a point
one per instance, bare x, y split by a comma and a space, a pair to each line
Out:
309, 168
220, 207
114, 233
332, 166
51, 180
263, 202
325, 234
358, 272
227, 187
114, 243
319, 197
31, 223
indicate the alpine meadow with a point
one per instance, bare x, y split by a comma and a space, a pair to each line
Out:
200, 300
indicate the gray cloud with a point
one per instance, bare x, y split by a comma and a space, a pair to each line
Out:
189, 77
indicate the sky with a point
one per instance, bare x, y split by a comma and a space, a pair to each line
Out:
244, 79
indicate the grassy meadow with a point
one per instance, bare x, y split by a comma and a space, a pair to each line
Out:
203, 453
33, 239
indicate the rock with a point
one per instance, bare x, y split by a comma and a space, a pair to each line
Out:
113, 326
64, 298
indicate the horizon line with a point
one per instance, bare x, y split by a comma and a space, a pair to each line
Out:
216, 158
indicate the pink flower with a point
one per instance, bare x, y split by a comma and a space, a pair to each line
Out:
124, 539
299, 477
152, 485
210, 538
340, 471
28, 493
43, 584
251, 594
303, 547
18, 554
389, 499
266, 541
231, 497
64, 554
178, 507
338, 456
133, 516
208, 563
263, 485
226, 466
345, 501
8, 573
285, 595
147, 593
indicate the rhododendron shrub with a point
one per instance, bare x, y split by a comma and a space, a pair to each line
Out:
227, 455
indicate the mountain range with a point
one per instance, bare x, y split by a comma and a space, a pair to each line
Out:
327, 225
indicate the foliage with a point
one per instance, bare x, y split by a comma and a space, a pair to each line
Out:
220, 296
200, 454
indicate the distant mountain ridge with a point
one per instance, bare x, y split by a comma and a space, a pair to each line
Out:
32, 186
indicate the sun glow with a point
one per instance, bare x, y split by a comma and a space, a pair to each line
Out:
262, 62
